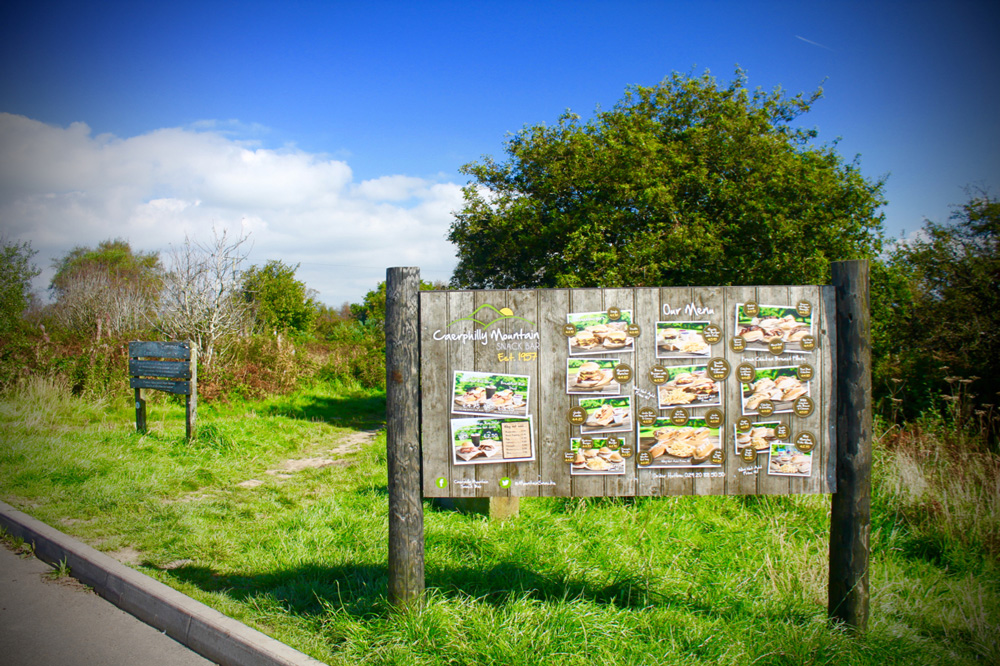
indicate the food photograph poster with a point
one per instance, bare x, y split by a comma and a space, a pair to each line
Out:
779, 386
490, 393
759, 437
606, 415
602, 456
491, 440
592, 376
688, 386
681, 339
766, 323
666, 445
596, 333
644, 391
787, 460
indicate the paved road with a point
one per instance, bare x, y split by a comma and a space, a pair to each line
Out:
47, 623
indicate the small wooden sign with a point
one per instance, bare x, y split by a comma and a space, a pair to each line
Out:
171, 367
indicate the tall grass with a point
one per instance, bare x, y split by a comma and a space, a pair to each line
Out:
688, 580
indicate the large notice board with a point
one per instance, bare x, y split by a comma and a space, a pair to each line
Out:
628, 392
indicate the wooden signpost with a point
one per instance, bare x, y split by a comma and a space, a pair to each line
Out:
629, 392
164, 366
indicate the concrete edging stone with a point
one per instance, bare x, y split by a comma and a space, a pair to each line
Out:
204, 630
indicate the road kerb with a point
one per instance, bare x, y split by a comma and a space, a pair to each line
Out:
202, 629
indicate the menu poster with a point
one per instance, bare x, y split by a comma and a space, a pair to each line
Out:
681, 339
688, 386
489, 440
490, 393
774, 323
596, 333
601, 456
592, 376
606, 415
773, 391
666, 445
787, 460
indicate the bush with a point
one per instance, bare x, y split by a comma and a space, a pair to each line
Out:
253, 367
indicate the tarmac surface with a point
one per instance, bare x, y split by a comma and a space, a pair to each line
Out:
46, 621
132, 618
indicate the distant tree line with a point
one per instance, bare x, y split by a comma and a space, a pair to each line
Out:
688, 182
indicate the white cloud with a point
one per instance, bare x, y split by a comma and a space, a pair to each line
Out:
65, 187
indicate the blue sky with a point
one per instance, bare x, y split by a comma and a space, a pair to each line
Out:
333, 132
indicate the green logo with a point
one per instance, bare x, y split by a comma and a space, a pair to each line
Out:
505, 482
502, 314
441, 482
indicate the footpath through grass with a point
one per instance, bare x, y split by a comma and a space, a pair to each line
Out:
277, 516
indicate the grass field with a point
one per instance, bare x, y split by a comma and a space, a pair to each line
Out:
277, 516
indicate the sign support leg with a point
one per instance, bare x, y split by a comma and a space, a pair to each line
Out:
140, 412
850, 516
406, 509
191, 412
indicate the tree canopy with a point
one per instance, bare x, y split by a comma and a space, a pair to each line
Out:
682, 183
280, 302
113, 261
946, 336
16, 273
111, 287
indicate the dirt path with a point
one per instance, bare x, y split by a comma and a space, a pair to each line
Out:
338, 455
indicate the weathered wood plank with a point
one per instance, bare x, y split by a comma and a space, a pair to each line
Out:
192, 401
618, 485
815, 422
830, 376
769, 484
554, 431
435, 386
166, 385
487, 360
524, 303
647, 305
740, 474
712, 301
673, 301
140, 411
174, 349
169, 369
461, 357
585, 300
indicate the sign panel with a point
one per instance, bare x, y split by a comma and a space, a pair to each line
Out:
627, 392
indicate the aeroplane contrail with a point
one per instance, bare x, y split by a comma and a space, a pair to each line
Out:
809, 41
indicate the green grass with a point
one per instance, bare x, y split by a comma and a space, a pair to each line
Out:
687, 580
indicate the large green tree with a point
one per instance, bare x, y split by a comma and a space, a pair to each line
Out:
280, 301
688, 182
110, 288
113, 260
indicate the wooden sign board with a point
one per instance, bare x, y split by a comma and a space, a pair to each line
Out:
171, 367
628, 392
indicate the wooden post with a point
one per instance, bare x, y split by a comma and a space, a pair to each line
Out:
191, 413
140, 412
406, 510
850, 518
